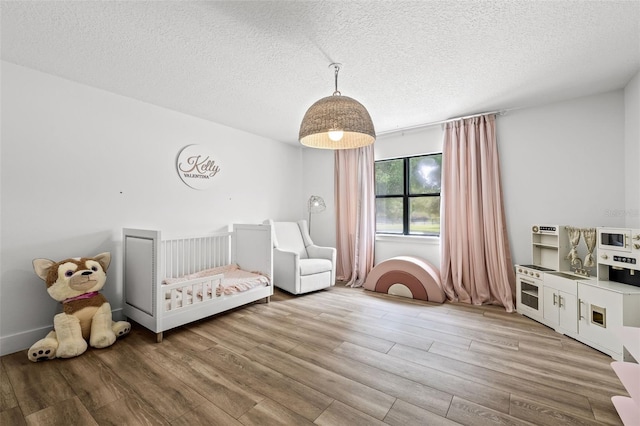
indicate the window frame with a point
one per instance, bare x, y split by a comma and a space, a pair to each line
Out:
406, 196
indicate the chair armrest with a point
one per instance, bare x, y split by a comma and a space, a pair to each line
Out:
329, 253
315, 251
286, 270
285, 256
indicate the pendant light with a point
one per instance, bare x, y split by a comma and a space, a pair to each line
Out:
337, 122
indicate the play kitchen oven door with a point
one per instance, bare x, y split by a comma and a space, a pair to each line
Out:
529, 292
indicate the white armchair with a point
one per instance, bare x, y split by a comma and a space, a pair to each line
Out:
300, 266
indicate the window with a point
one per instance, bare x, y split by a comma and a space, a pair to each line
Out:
408, 195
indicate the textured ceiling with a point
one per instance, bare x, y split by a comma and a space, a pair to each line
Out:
257, 66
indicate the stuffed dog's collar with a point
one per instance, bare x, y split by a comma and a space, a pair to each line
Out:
80, 297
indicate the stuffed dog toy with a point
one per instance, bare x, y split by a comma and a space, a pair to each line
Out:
86, 313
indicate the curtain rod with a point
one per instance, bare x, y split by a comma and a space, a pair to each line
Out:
435, 123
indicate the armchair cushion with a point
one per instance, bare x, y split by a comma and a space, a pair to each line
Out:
314, 266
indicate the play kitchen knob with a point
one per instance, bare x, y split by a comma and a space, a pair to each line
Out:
537, 275
604, 256
637, 237
535, 229
636, 245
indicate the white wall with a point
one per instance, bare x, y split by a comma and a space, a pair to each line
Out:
78, 164
562, 164
427, 140
318, 179
632, 152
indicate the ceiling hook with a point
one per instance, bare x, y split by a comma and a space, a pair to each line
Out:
336, 65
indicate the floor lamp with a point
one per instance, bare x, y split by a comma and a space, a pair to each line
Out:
315, 205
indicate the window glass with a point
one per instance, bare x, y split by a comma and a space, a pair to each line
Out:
389, 177
389, 215
424, 215
408, 195
424, 174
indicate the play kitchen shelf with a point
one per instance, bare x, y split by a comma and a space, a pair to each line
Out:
549, 246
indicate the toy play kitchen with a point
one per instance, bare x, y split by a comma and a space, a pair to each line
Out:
589, 299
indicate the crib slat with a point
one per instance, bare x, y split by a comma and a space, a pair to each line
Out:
184, 256
188, 255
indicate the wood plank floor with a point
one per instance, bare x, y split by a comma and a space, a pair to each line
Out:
336, 357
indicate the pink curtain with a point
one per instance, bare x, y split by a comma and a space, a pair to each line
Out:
475, 263
355, 211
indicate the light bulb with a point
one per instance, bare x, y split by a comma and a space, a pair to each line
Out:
335, 135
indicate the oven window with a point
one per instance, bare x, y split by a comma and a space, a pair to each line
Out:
615, 240
529, 295
599, 316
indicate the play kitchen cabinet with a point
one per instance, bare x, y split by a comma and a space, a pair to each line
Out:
604, 307
590, 310
560, 306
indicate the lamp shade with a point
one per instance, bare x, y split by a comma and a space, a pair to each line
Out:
337, 113
316, 204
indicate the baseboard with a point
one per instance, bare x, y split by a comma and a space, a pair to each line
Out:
23, 340
117, 314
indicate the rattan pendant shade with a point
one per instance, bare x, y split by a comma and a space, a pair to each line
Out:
337, 113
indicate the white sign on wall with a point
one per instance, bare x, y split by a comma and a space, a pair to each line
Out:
196, 166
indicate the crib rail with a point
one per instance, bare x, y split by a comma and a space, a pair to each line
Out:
187, 293
184, 256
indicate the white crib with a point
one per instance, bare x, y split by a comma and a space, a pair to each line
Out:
150, 259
